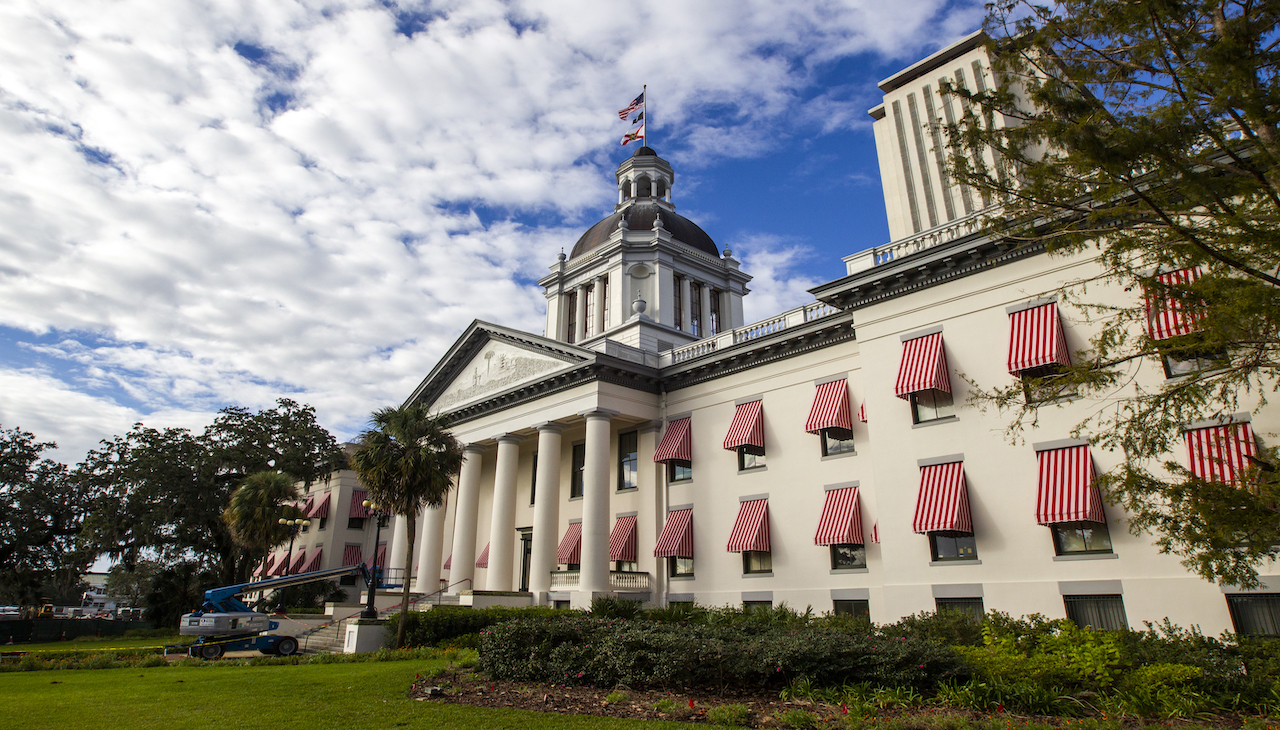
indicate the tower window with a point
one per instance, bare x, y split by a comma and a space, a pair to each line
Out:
661, 188
695, 309
644, 188
678, 299
590, 311
571, 319
713, 327
604, 295
626, 190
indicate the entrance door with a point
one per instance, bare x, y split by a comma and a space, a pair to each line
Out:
526, 553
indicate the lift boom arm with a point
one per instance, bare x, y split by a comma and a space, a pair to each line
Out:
223, 599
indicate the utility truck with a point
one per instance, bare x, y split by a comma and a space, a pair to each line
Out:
224, 623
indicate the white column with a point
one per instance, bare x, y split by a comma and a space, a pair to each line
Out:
464, 524
580, 321
430, 549
546, 510
399, 545
602, 284
502, 533
595, 504
686, 322
706, 310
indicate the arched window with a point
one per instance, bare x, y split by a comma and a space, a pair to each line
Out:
662, 188
644, 188
626, 189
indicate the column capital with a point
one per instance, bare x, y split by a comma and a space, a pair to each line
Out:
510, 438
650, 426
605, 413
476, 449
550, 426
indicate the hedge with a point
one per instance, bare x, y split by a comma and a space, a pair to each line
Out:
445, 624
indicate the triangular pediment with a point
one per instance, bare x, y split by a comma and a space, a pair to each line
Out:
487, 360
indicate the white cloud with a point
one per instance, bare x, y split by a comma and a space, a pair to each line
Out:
241, 200
775, 265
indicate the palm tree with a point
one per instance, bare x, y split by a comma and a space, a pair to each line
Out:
255, 507
407, 461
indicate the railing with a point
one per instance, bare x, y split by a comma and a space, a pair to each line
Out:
764, 328
924, 240
439, 594
619, 580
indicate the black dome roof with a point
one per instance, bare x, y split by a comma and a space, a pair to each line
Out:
640, 215
645, 151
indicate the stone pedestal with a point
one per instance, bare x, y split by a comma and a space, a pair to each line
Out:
364, 635
581, 600
486, 599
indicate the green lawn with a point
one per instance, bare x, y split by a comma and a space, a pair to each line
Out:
96, 644
346, 696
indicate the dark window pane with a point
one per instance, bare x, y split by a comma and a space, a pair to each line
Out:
1099, 612
848, 556
750, 457
855, 608
628, 460
1255, 613
625, 565
533, 481
679, 566
953, 546
561, 605
355, 523
1081, 537
930, 405
679, 471
836, 441
971, 606
750, 606
756, 561
577, 473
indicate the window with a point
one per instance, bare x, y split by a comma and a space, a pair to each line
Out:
384, 520
1039, 385
750, 457
589, 311
1255, 613
355, 523
846, 556
628, 460
627, 566
1100, 612
971, 606
931, 405
578, 470
695, 309
836, 441
679, 471
347, 580
306, 526
573, 567
561, 605
571, 318
604, 296
533, 480
757, 561
1185, 361
713, 327
753, 606
952, 546
324, 521
1076, 538
678, 302
855, 608
680, 567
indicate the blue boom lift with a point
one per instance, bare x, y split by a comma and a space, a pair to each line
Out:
224, 623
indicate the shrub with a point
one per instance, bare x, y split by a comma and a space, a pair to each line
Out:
443, 623
666, 706
731, 715
798, 719
952, 628
616, 697
613, 607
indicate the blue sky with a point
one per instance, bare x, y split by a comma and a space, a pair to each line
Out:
225, 202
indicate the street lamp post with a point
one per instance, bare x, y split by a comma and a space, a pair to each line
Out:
295, 526
370, 609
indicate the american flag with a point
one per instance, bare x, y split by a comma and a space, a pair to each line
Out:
637, 103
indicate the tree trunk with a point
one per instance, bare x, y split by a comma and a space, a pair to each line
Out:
410, 524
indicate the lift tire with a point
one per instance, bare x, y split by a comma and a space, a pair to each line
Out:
287, 646
210, 651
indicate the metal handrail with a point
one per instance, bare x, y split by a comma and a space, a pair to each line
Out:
440, 592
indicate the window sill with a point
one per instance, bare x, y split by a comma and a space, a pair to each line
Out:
628, 490
941, 563
575, 499
679, 482
754, 469
840, 455
1084, 556
844, 571
936, 421
767, 574
680, 577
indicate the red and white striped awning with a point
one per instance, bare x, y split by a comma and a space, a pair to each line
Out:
875, 532
841, 521
570, 550
282, 564
747, 428
862, 412
298, 561
923, 366
305, 507
623, 540
1167, 316
320, 509
943, 504
676, 540
448, 562
313, 563
1219, 453
483, 560
380, 555
358, 496
1036, 339
1067, 492
751, 529
830, 407
264, 568
676, 442
351, 555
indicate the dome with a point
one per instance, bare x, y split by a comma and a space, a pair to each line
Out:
645, 151
640, 215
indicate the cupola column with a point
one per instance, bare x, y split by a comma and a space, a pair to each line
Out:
601, 285
705, 314
580, 321
686, 321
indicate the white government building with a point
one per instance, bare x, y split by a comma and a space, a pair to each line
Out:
651, 445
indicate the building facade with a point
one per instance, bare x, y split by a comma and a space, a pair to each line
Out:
652, 445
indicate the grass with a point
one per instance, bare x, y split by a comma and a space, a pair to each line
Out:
346, 696
96, 644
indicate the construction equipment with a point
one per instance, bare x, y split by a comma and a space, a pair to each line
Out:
224, 623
